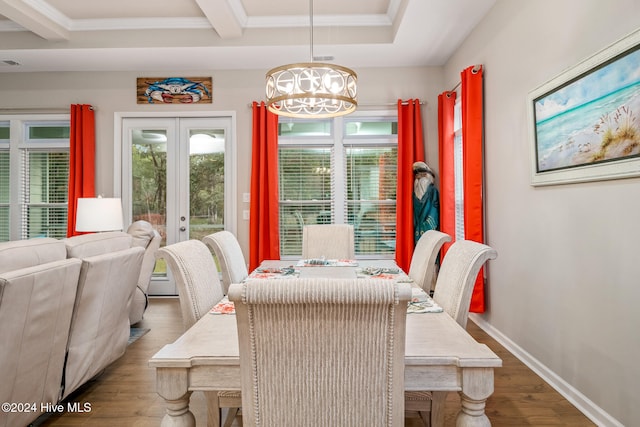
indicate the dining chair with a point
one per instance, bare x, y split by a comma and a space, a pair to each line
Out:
453, 291
422, 269
321, 352
330, 241
229, 254
199, 289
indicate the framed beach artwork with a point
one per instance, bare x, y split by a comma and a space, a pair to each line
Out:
585, 123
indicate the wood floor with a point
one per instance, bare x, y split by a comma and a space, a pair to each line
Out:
124, 394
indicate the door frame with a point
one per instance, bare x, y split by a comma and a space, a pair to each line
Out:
231, 187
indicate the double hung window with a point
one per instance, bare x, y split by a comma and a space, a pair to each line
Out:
34, 175
339, 171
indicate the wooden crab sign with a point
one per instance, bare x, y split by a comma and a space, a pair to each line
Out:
173, 90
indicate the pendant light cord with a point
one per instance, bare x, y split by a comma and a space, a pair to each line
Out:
311, 30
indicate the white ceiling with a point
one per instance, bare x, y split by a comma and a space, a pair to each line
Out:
157, 35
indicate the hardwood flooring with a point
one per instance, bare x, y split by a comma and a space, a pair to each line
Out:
124, 394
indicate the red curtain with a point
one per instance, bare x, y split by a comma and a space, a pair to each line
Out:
472, 168
264, 240
410, 150
82, 147
446, 103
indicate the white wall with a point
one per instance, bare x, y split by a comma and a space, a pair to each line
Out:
565, 287
232, 91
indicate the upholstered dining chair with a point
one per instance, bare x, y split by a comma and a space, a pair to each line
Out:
321, 352
199, 289
423, 262
331, 241
454, 287
229, 254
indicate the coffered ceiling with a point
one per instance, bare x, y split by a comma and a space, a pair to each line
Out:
154, 35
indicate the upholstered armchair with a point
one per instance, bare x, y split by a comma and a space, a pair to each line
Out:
146, 237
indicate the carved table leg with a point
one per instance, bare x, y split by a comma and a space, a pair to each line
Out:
172, 386
477, 386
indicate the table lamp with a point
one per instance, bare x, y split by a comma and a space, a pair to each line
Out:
97, 214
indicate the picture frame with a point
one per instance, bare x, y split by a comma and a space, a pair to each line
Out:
174, 90
585, 122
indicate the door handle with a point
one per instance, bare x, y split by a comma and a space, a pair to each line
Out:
183, 228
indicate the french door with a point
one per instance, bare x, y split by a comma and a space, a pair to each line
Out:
176, 175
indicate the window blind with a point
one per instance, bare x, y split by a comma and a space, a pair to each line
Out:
457, 170
45, 178
4, 195
306, 188
371, 193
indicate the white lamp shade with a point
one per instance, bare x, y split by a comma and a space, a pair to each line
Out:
99, 214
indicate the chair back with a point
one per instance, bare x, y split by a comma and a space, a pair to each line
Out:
145, 236
196, 276
423, 262
232, 263
331, 241
36, 305
313, 350
457, 277
99, 329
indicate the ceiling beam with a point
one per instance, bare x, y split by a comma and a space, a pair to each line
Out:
222, 17
34, 17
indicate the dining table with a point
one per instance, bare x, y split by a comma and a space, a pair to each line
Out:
440, 355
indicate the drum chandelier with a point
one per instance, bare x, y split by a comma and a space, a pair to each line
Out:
311, 89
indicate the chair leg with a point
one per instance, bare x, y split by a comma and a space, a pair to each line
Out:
214, 414
231, 416
437, 408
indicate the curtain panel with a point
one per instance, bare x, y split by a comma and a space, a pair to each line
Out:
446, 104
264, 240
410, 150
471, 98
472, 168
82, 145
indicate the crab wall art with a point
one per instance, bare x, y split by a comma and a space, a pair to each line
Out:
174, 90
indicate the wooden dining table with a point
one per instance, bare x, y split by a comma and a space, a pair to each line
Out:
439, 355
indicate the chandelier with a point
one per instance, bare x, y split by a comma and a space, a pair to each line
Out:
311, 89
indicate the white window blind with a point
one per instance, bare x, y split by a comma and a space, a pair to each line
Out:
34, 174
4, 194
45, 178
306, 187
458, 170
339, 171
371, 193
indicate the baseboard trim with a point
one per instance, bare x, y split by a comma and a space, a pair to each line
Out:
580, 401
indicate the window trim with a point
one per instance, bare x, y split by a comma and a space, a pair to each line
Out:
17, 143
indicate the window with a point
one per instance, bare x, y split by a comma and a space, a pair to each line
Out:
457, 170
340, 171
34, 175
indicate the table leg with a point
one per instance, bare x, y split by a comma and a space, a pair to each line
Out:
172, 385
477, 386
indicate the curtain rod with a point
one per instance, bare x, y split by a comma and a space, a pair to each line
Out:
40, 110
474, 70
388, 104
